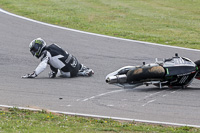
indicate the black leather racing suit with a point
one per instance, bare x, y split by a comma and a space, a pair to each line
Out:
58, 59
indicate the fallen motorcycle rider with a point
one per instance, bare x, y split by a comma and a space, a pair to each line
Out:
61, 62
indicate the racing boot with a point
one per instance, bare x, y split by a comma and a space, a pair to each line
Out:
85, 71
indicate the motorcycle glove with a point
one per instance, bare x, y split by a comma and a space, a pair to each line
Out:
33, 75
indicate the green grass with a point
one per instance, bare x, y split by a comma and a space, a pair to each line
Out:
15, 120
170, 22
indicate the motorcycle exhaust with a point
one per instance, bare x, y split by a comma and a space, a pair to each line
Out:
116, 79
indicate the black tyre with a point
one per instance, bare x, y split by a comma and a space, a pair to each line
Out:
197, 63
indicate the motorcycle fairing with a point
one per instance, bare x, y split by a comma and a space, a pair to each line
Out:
179, 71
179, 66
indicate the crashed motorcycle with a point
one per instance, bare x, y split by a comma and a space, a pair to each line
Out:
173, 72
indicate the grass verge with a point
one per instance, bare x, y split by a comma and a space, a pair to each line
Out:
16, 120
170, 22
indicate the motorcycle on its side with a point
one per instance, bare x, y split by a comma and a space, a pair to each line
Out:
173, 72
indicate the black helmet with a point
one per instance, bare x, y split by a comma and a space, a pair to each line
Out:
36, 47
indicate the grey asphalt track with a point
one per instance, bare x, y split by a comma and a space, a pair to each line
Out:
90, 95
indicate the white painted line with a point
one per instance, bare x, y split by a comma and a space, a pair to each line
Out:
149, 102
66, 105
152, 94
124, 100
32, 109
102, 94
110, 105
94, 34
104, 117
175, 91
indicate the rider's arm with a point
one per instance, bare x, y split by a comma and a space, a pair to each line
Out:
43, 64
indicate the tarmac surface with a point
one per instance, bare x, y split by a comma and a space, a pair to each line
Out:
90, 95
